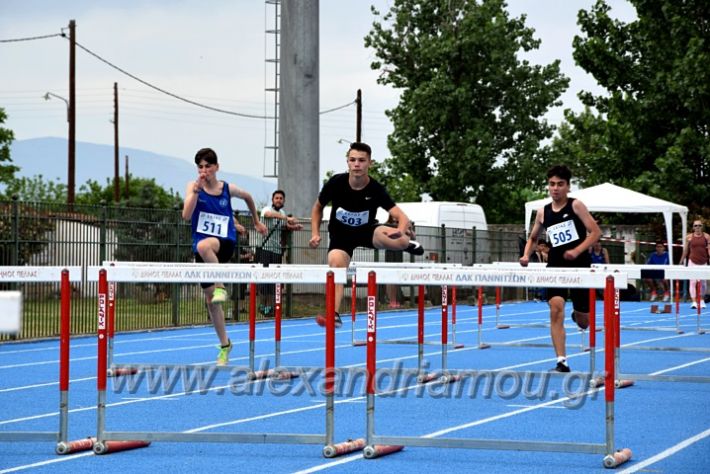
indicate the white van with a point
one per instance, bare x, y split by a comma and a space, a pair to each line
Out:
459, 215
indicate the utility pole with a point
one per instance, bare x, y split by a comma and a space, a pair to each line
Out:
71, 167
358, 116
116, 187
125, 189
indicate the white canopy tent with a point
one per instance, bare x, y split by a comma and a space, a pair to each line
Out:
608, 197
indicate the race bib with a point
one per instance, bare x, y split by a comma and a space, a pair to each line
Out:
353, 219
562, 233
213, 224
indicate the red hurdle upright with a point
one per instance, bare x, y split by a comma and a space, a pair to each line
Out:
65, 276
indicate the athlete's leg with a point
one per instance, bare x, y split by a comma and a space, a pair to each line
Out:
338, 259
208, 249
557, 325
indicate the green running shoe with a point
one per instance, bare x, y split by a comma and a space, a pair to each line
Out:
223, 355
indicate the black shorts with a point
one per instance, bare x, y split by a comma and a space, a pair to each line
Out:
224, 255
579, 297
348, 241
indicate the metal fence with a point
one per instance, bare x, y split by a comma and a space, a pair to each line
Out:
53, 234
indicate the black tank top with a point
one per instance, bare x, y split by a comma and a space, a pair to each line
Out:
565, 231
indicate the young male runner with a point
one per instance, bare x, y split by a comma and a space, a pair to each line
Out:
208, 203
571, 231
355, 198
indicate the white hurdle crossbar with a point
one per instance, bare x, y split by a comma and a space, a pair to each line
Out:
64, 276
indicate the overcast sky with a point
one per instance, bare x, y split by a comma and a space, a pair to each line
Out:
213, 52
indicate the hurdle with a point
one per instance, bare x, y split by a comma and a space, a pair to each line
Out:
65, 276
228, 274
380, 445
115, 370
352, 273
670, 272
539, 269
628, 379
361, 273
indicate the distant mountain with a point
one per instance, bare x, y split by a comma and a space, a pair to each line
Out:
48, 157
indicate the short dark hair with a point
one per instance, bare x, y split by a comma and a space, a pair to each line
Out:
360, 146
278, 191
206, 154
561, 171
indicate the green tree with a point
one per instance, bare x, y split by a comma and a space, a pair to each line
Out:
35, 189
469, 123
7, 171
654, 119
143, 192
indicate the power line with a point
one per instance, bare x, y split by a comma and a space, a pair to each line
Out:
163, 91
30, 38
189, 101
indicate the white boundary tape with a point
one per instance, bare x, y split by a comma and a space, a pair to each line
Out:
21, 274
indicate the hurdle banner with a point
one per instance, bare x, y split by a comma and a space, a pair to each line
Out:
65, 276
111, 441
612, 458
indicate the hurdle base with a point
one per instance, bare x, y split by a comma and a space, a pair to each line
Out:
458, 345
621, 383
359, 343
378, 450
107, 447
655, 309
621, 456
484, 346
273, 374
120, 371
502, 326
441, 378
76, 446
346, 447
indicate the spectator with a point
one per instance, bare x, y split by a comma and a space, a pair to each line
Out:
655, 285
696, 252
271, 250
598, 253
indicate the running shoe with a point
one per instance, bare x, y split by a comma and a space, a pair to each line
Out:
666, 297
223, 355
320, 320
219, 295
702, 304
415, 248
653, 296
694, 305
560, 367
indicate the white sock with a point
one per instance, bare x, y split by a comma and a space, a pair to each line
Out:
561, 359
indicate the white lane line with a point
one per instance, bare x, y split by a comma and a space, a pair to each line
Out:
70, 457
667, 452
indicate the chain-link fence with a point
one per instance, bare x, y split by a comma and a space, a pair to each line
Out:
53, 234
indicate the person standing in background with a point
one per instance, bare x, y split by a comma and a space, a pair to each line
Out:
271, 250
696, 252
